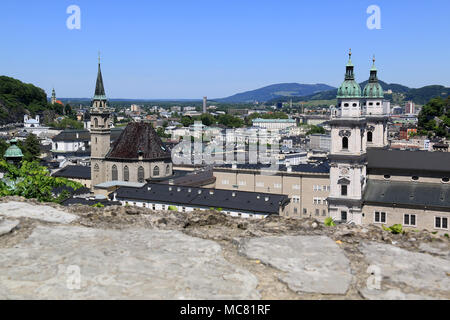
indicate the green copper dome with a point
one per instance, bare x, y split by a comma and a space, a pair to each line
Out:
349, 88
373, 89
13, 151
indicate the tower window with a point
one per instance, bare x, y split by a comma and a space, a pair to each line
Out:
95, 123
156, 171
96, 168
141, 174
345, 104
343, 190
345, 143
126, 174
114, 173
355, 105
168, 170
415, 178
369, 136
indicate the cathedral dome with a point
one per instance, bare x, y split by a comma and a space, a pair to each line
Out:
349, 88
373, 89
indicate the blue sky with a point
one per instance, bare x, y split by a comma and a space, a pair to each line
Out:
188, 49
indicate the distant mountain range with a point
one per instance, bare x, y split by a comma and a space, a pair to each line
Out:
403, 93
276, 91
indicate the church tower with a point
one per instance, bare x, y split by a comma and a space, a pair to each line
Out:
375, 112
100, 130
348, 152
53, 96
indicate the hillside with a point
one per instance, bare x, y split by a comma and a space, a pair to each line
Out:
275, 91
400, 93
18, 98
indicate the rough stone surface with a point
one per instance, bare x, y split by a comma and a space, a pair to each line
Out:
406, 268
125, 264
6, 226
438, 248
313, 264
392, 294
45, 213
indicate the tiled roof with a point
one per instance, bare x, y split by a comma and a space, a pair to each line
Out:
414, 194
139, 138
203, 197
74, 172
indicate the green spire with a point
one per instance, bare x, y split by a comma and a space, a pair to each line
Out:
349, 88
373, 89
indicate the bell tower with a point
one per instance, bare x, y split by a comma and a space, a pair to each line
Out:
100, 131
348, 152
375, 112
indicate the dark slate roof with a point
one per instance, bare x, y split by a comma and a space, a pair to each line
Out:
408, 194
74, 172
408, 160
139, 137
71, 135
172, 194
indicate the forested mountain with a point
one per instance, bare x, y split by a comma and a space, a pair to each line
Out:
275, 91
18, 98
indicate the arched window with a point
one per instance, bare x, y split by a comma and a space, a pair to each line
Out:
369, 136
140, 174
345, 143
95, 123
168, 170
126, 174
156, 171
115, 174
96, 168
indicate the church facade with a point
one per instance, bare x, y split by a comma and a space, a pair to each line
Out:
137, 155
372, 185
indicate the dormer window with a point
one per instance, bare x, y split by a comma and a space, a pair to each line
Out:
415, 178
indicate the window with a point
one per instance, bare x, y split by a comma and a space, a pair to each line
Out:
380, 217
369, 136
317, 188
225, 182
156, 171
295, 210
324, 213
441, 223
114, 173
277, 186
415, 178
317, 212
317, 200
344, 216
387, 176
242, 183
296, 199
345, 143
141, 174
260, 184
343, 190
153, 206
296, 187
96, 168
409, 220
168, 170
305, 211
126, 174
445, 180
95, 123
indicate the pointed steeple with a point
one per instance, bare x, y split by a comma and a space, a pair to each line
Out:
99, 87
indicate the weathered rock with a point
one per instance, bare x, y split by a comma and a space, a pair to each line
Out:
6, 226
125, 264
438, 248
45, 213
416, 270
313, 264
392, 294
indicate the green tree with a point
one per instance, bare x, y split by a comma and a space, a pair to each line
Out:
30, 148
31, 180
315, 130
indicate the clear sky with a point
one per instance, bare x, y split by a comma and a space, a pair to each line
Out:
189, 48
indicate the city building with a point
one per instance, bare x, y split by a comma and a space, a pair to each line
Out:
274, 124
410, 108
